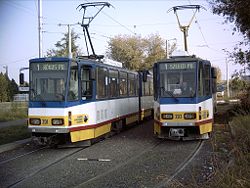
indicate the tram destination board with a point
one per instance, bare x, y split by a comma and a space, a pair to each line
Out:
49, 66
178, 66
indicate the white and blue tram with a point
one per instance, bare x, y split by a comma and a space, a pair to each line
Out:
82, 99
183, 98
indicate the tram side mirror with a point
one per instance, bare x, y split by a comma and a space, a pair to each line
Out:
21, 78
144, 76
214, 72
214, 81
92, 74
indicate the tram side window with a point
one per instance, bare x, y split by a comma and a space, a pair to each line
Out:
207, 78
86, 83
123, 86
146, 88
102, 82
200, 85
73, 84
151, 89
131, 84
113, 83
137, 85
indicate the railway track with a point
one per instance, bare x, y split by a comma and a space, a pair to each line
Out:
181, 167
94, 182
22, 155
130, 159
113, 169
14, 184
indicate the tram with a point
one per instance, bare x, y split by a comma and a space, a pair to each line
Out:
184, 98
81, 99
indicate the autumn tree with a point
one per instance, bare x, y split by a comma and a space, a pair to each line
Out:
219, 75
62, 47
154, 50
136, 52
128, 50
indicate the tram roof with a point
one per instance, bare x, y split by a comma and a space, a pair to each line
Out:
181, 59
54, 59
89, 61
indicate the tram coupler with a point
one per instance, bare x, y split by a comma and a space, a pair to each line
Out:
45, 141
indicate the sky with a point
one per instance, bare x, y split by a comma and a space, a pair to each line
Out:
208, 37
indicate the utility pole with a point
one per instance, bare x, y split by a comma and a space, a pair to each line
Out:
227, 76
167, 41
6, 68
40, 28
69, 36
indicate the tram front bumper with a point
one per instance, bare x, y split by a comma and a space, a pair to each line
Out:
48, 129
177, 124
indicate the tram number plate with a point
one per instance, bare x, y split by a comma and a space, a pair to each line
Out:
178, 116
176, 132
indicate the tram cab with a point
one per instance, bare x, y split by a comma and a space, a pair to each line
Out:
183, 98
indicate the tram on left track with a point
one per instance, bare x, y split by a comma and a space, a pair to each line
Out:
81, 99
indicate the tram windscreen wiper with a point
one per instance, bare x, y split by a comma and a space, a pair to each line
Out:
169, 93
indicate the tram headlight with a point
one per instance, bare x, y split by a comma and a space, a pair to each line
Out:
190, 116
35, 121
167, 116
57, 121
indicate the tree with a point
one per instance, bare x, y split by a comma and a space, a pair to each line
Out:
219, 75
237, 12
13, 89
127, 50
135, 52
3, 88
154, 50
238, 84
62, 46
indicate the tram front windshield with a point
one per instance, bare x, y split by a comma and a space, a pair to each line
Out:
177, 79
48, 81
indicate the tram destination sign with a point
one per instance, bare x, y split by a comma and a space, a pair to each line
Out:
49, 66
178, 66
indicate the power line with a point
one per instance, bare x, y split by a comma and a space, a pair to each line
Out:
20, 60
110, 17
20, 7
119, 23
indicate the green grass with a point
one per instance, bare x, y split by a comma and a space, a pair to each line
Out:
13, 111
9, 112
11, 134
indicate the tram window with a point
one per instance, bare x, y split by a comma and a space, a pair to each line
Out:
102, 82
131, 84
146, 89
73, 84
207, 79
151, 92
123, 86
113, 85
86, 83
173, 81
188, 84
137, 85
200, 84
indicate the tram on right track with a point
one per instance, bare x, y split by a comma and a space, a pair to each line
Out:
184, 98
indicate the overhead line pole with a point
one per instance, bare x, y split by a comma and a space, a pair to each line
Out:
70, 38
40, 27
